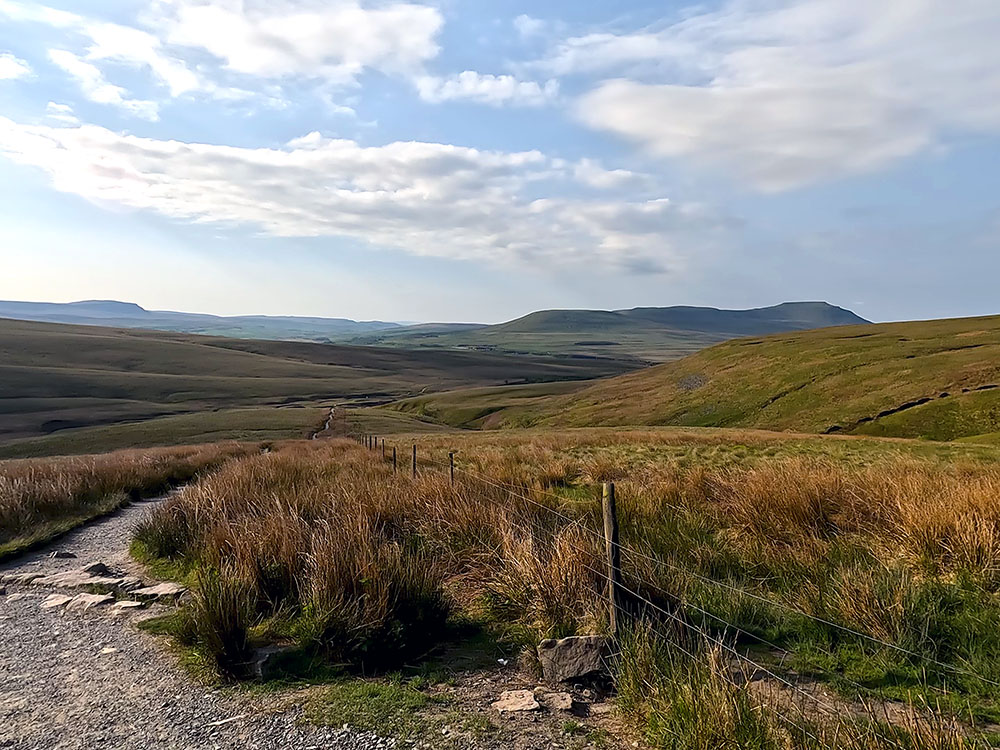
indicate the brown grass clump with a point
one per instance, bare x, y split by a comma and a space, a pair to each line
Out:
361, 556
40, 498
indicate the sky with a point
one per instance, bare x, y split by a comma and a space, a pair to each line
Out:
474, 160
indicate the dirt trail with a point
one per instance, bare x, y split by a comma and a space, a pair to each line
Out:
326, 424
91, 679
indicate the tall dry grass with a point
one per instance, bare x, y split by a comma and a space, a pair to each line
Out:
369, 563
41, 497
364, 565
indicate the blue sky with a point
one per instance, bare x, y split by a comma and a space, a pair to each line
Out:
478, 160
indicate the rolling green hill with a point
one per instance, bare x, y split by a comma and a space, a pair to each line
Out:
636, 337
642, 334
55, 378
934, 379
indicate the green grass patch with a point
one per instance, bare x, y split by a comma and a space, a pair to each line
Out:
388, 708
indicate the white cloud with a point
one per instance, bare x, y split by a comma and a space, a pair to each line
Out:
96, 87
111, 41
592, 173
13, 67
28, 11
61, 113
527, 26
636, 52
486, 89
784, 93
254, 45
425, 198
333, 40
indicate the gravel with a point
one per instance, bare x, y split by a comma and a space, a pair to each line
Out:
92, 680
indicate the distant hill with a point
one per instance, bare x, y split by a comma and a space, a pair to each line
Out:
130, 315
637, 337
936, 379
641, 334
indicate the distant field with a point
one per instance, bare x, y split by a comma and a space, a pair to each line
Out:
260, 424
480, 407
381, 423
57, 377
937, 380
639, 346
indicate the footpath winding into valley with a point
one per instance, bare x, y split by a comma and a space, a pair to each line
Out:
84, 676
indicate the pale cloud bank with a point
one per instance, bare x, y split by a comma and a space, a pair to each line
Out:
784, 93
424, 198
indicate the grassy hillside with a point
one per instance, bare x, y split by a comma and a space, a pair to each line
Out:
477, 408
56, 377
649, 334
935, 379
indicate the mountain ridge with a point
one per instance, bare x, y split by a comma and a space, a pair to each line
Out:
638, 335
641, 335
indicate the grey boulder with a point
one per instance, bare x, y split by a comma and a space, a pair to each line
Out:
573, 658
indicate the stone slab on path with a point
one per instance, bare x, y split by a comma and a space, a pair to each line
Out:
76, 579
56, 600
160, 592
84, 602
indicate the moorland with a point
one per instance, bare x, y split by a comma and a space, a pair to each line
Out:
809, 526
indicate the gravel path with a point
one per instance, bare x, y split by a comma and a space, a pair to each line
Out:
92, 680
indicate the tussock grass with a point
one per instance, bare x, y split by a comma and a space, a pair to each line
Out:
899, 542
371, 563
42, 498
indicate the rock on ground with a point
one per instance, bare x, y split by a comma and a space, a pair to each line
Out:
572, 658
517, 700
556, 701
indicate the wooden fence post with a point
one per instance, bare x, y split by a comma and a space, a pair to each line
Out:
383, 449
394, 459
414, 460
614, 555
451, 466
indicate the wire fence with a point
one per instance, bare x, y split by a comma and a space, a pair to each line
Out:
699, 634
